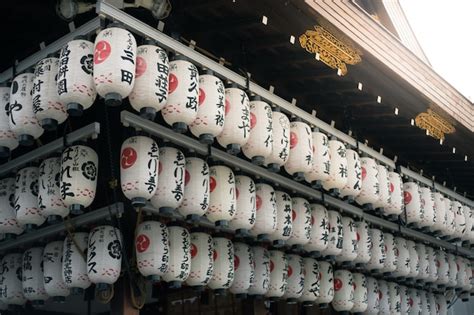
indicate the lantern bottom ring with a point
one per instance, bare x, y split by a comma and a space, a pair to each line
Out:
153, 278
59, 299
54, 218
26, 140
49, 124
193, 218
323, 305
138, 202
9, 236
174, 284
102, 287
273, 167
315, 254
37, 302
392, 217
77, 291
75, 109
206, 138
76, 209
298, 176
30, 227
220, 292
4, 152
278, 243
113, 99
180, 127
233, 148
307, 304
291, 301
258, 160
148, 113
222, 223
168, 211
263, 238
334, 192
349, 199
242, 233
317, 184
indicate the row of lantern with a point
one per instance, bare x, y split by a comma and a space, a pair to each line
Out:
60, 185
62, 267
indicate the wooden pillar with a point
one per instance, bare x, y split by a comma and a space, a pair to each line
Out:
121, 302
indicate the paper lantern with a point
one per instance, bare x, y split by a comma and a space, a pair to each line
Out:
139, 160
432, 266
202, 263
28, 212
343, 291
369, 193
390, 263
395, 205
373, 297
354, 176
359, 282
295, 286
452, 271
49, 194
414, 260
237, 120
48, 109
443, 268
8, 139
11, 280
23, 121
74, 268
300, 160
319, 239
394, 298
115, 51
364, 243
171, 176
266, 219
53, 271
179, 265
459, 219
150, 91
432, 303
183, 88
243, 269
79, 169
403, 258
426, 209
466, 284
311, 282
439, 206
260, 142
245, 214
441, 304
377, 252
209, 121
32, 276
412, 200
469, 217
384, 188
337, 167
405, 306
414, 300
461, 273
8, 222
222, 204
326, 284
152, 249
349, 244
223, 269
278, 274
280, 152
76, 86
196, 189
450, 218
284, 210
384, 298
335, 238
321, 162
301, 222
261, 280
423, 264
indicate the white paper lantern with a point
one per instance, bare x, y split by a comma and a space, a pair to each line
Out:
415, 301
443, 267
202, 263
461, 273
395, 206
432, 266
423, 264
222, 204
244, 267
373, 297
49, 193
390, 263
284, 209
115, 51
8, 139
209, 121
349, 244
326, 284
74, 268
150, 91
28, 212
319, 239
237, 120
412, 200
260, 142
405, 306
364, 243
466, 284
301, 222
384, 298
452, 271
335, 238
450, 218
32, 276
300, 160
196, 189
171, 175
394, 298
295, 286
414, 261
280, 152
427, 208
459, 219
440, 224
369, 193
425, 308
266, 219
53, 271
403, 258
377, 253
11, 280
441, 304
79, 169
8, 222
384, 188
359, 282
337, 167
432, 303
245, 214
76, 86
223, 269
48, 108
261, 280
179, 265
469, 217
278, 274
152, 249
321, 160
343, 291
183, 88
354, 176
311, 282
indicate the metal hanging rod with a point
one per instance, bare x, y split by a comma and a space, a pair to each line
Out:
90, 131
132, 120
107, 10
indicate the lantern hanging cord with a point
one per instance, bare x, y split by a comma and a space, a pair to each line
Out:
69, 227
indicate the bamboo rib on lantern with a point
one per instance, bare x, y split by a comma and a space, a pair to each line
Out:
434, 124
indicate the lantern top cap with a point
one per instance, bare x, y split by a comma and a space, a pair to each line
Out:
80, 37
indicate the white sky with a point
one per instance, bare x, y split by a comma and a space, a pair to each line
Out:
445, 31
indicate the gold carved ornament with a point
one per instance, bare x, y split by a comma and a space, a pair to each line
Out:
332, 51
434, 124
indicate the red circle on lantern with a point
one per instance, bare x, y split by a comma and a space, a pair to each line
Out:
410, 301
142, 243
312, 220
293, 139
172, 83
357, 236
258, 202
337, 284
457, 265
202, 96
214, 255
160, 167
194, 250
129, 157
354, 285
364, 172
212, 183
237, 193
141, 67
293, 215
227, 106
236, 262
380, 295
187, 177
253, 120
272, 265
314, 149
407, 197
437, 264
290, 271
102, 51
392, 188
